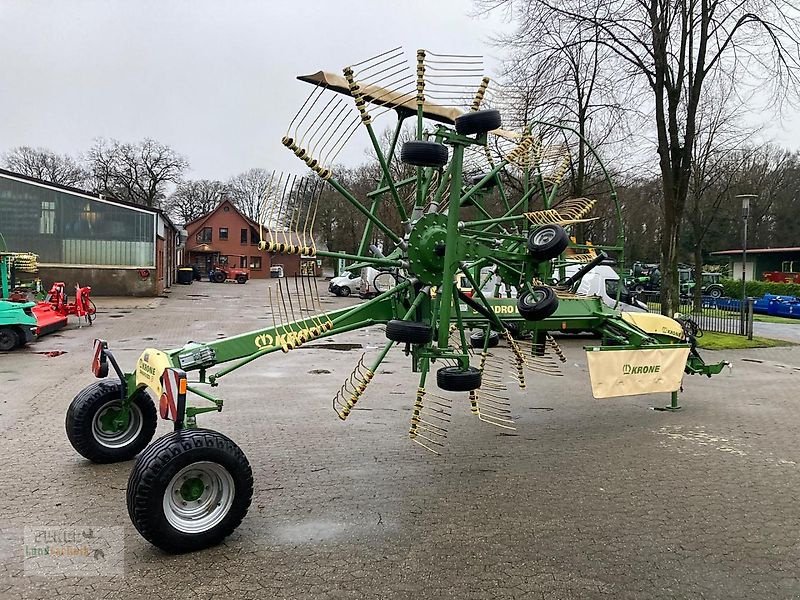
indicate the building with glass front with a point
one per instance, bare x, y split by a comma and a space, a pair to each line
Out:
117, 248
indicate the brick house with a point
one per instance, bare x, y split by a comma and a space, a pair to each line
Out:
226, 232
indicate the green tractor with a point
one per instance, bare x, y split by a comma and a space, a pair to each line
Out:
17, 322
710, 284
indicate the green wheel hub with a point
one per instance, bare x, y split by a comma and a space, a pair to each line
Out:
113, 419
426, 248
192, 489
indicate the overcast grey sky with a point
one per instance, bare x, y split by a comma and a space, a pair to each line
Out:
214, 79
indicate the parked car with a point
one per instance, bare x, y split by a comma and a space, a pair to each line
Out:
345, 284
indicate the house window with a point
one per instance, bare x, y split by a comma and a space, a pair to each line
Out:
204, 236
254, 237
223, 233
255, 263
47, 220
244, 236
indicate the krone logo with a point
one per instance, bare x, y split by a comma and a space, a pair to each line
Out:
640, 370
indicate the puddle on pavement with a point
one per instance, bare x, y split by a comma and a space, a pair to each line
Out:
341, 347
310, 532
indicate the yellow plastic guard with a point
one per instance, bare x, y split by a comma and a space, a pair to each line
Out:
655, 323
149, 368
615, 373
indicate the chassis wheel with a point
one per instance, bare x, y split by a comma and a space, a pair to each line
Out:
241, 279
218, 277
343, 291
409, 332
424, 154
514, 329
547, 242
189, 490
715, 292
476, 339
479, 121
453, 379
91, 312
9, 339
101, 430
476, 179
538, 305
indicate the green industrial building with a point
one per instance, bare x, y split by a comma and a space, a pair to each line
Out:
117, 248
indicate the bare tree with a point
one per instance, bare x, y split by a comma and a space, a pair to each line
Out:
566, 77
720, 152
249, 190
192, 199
770, 172
671, 48
46, 165
139, 172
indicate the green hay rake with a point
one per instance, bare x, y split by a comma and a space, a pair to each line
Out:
454, 214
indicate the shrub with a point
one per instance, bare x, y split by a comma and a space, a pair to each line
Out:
755, 289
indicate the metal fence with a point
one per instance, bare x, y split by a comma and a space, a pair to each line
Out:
721, 315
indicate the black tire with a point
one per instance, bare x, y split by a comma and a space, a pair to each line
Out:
476, 339
453, 379
547, 242
344, 291
91, 314
218, 277
514, 329
538, 305
172, 472
9, 339
241, 279
424, 154
715, 292
638, 288
476, 179
21, 341
409, 332
479, 121
85, 429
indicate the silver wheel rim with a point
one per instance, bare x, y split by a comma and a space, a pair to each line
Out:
537, 296
190, 513
543, 236
117, 439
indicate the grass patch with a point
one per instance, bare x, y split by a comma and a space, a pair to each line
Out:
727, 341
774, 319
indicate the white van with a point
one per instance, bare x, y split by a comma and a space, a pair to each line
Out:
604, 281
345, 284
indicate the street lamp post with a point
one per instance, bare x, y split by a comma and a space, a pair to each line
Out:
745, 214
